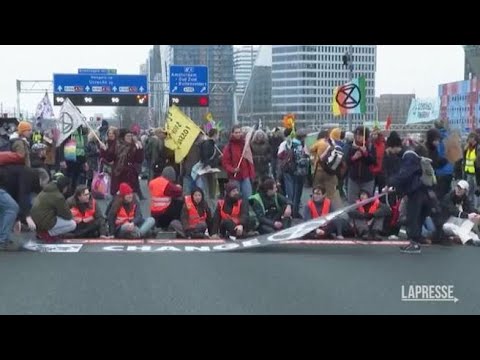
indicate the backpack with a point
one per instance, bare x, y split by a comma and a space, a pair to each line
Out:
428, 177
287, 162
302, 161
331, 159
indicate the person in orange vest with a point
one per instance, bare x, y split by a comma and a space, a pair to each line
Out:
321, 205
87, 215
125, 218
196, 217
231, 214
166, 198
368, 219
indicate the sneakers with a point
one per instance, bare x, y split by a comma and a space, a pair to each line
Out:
412, 248
339, 237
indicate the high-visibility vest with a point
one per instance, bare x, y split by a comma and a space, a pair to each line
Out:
87, 217
123, 216
159, 202
313, 208
234, 216
373, 209
470, 161
194, 217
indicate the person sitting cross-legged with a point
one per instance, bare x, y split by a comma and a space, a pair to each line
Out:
87, 215
195, 218
124, 215
319, 206
273, 210
231, 215
368, 219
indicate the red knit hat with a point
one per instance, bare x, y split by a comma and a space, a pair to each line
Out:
125, 189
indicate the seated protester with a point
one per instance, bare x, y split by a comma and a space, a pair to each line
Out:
273, 211
368, 219
87, 215
456, 211
318, 206
231, 214
196, 217
124, 215
51, 213
166, 198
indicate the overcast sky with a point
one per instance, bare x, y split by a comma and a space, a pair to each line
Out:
400, 68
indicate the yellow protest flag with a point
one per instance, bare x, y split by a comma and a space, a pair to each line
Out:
181, 133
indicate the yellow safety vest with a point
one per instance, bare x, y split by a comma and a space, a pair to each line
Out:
470, 161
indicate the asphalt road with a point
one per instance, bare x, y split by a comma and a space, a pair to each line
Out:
273, 280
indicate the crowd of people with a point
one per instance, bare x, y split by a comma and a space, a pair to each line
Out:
430, 188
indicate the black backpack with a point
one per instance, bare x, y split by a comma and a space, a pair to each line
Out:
331, 159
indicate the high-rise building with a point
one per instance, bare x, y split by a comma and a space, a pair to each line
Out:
460, 105
394, 105
472, 61
304, 78
219, 59
256, 102
243, 59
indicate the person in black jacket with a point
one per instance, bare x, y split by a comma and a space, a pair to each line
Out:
20, 182
419, 205
231, 214
359, 158
433, 140
209, 157
456, 210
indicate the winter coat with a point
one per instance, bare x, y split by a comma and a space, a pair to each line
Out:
232, 153
49, 204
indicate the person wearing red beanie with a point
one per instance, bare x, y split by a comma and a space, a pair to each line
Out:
125, 217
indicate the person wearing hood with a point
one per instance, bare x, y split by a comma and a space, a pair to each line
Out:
87, 215
457, 210
262, 154
432, 144
444, 173
378, 141
419, 203
238, 168
103, 131
166, 198
196, 217
360, 157
273, 210
231, 214
51, 213
368, 219
124, 215
319, 206
322, 176
20, 141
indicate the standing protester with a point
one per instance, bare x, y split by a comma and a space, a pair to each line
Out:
20, 141
471, 167
237, 167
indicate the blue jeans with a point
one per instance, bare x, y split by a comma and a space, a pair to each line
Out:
8, 215
138, 232
289, 183
245, 186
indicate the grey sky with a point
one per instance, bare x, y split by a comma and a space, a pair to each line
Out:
400, 68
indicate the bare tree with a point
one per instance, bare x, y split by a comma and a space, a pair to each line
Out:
132, 115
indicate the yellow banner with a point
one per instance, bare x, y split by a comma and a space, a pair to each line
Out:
181, 133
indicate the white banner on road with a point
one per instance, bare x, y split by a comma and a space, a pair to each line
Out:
69, 121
